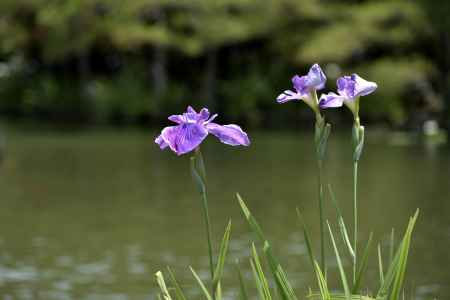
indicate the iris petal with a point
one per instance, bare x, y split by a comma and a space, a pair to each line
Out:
229, 134
184, 138
288, 96
161, 143
331, 100
362, 86
316, 78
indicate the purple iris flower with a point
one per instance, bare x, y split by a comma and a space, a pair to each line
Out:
193, 128
303, 85
349, 89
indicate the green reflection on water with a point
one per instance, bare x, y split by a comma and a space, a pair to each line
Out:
93, 214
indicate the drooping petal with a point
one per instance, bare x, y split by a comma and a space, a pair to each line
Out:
316, 78
288, 96
161, 143
229, 134
362, 86
331, 100
184, 138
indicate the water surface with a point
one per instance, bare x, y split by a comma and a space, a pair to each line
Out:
93, 214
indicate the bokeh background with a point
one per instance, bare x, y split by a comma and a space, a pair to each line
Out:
90, 208
136, 61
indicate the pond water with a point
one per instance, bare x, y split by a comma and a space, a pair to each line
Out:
93, 214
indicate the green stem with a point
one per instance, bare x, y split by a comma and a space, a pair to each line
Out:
208, 232
320, 138
322, 221
200, 176
355, 216
358, 139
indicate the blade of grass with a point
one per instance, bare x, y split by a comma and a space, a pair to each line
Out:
342, 226
362, 265
250, 219
323, 287
179, 295
400, 274
285, 294
200, 283
218, 292
395, 265
162, 286
222, 256
392, 246
307, 239
341, 268
380, 265
260, 279
243, 295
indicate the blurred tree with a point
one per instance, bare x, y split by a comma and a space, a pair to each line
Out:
217, 48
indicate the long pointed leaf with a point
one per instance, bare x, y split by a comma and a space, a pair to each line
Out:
179, 295
380, 265
260, 279
222, 255
307, 239
243, 295
395, 265
362, 266
251, 220
162, 286
400, 274
342, 226
323, 287
200, 283
341, 268
392, 246
275, 267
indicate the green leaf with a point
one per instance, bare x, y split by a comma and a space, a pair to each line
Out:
200, 164
342, 226
242, 290
179, 295
392, 246
200, 283
218, 292
323, 287
250, 219
341, 268
307, 239
404, 251
380, 265
396, 265
162, 286
200, 182
358, 137
362, 266
258, 273
280, 278
222, 255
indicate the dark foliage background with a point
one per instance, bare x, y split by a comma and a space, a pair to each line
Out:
137, 61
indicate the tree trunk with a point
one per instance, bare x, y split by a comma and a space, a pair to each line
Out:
209, 84
159, 72
159, 63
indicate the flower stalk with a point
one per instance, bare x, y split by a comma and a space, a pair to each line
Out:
358, 144
199, 176
321, 134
